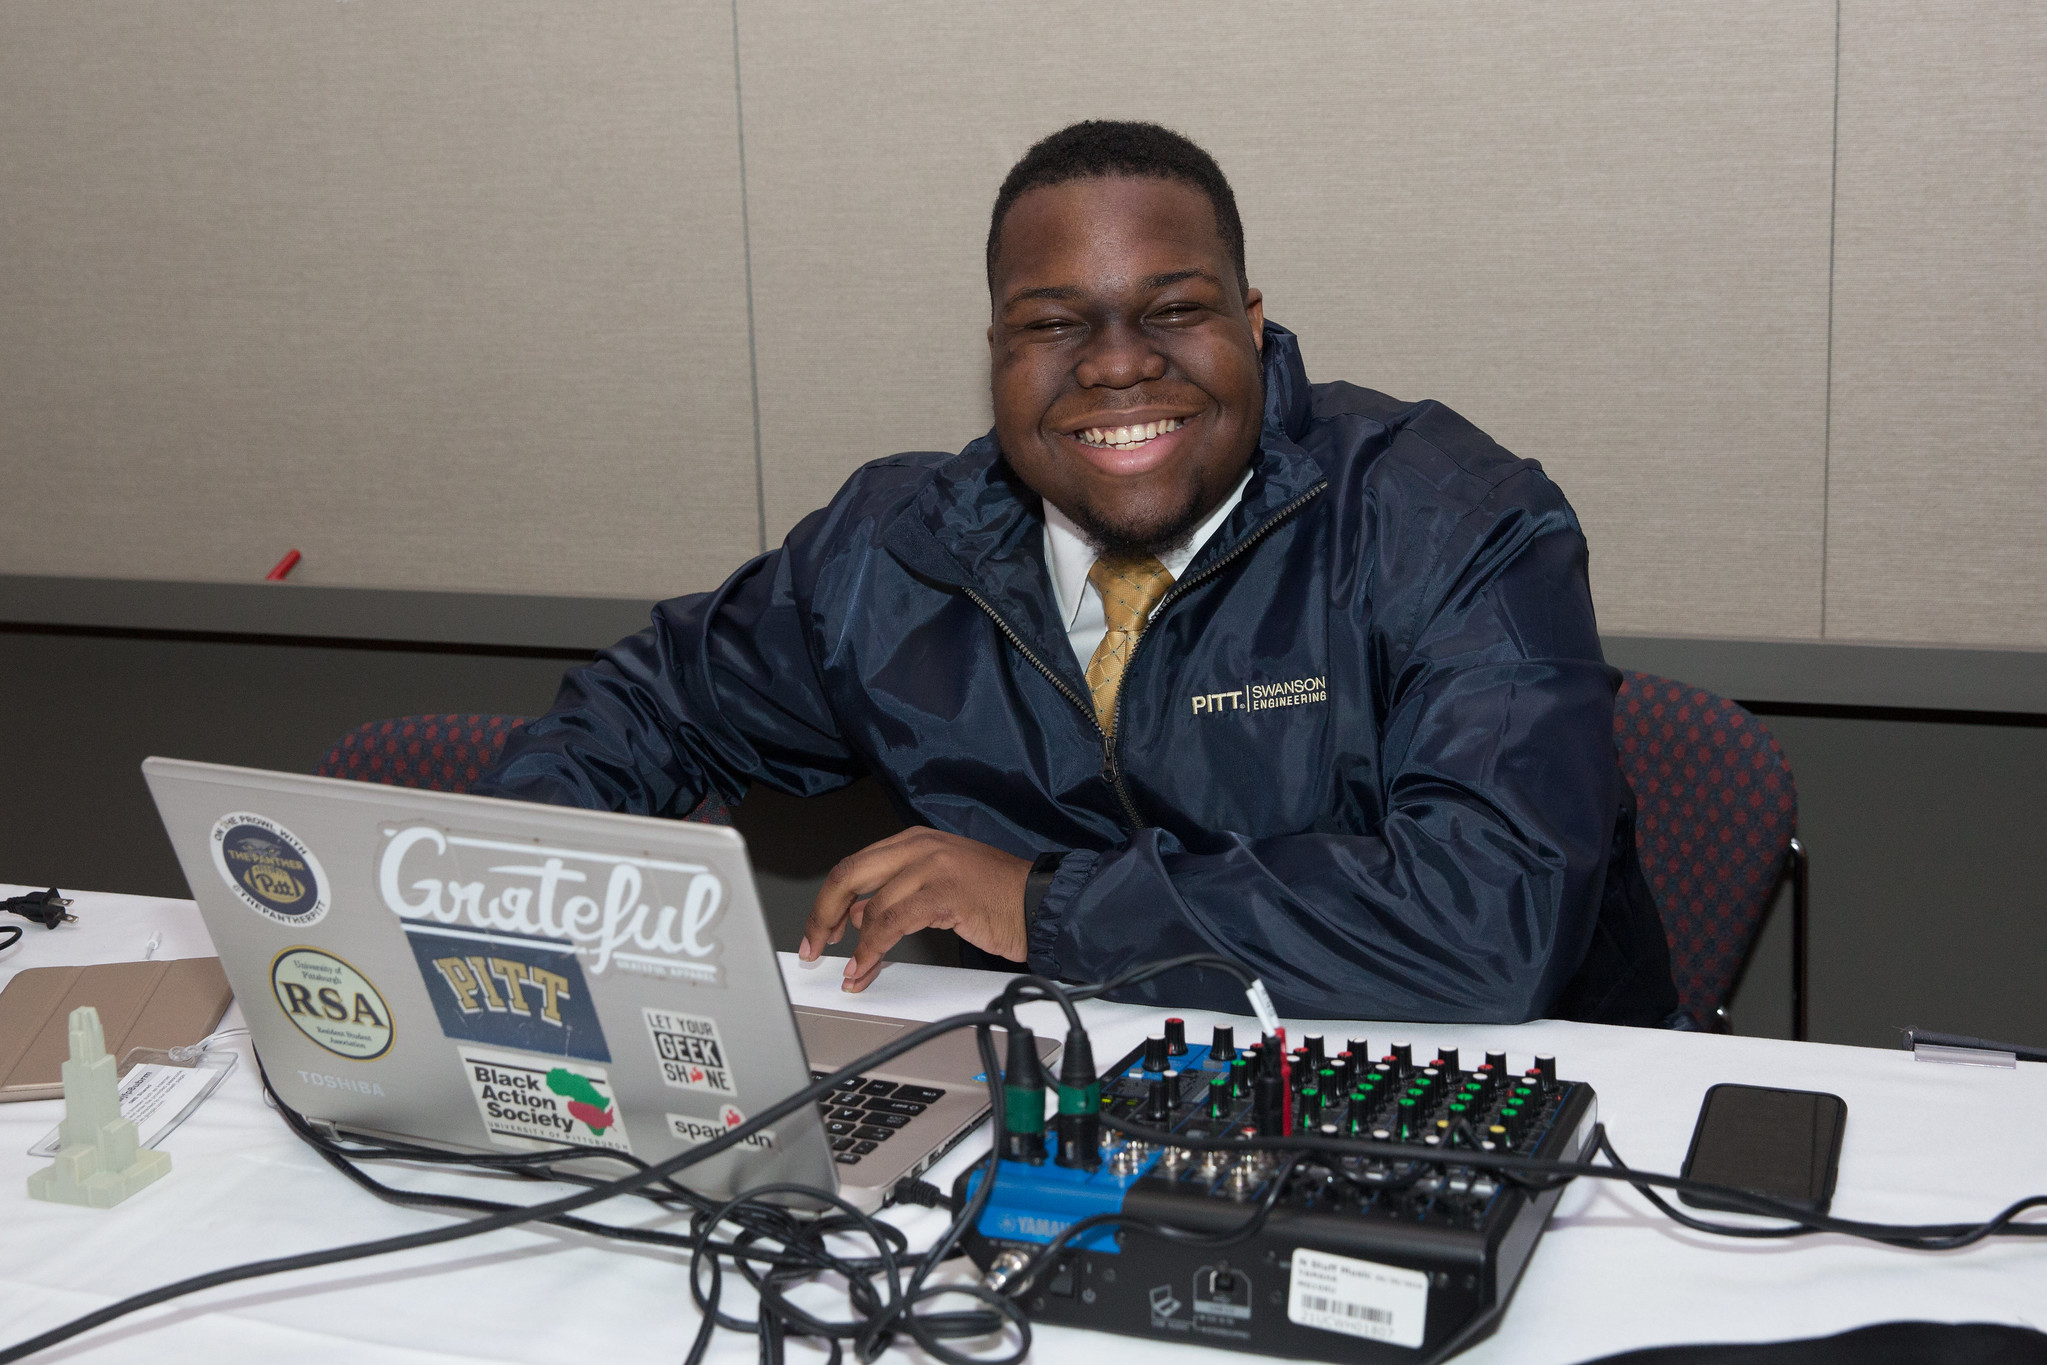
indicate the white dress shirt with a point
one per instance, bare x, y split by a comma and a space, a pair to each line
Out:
1068, 557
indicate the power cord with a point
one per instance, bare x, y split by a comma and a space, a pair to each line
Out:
46, 908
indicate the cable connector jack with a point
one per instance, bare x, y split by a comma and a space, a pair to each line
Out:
46, 908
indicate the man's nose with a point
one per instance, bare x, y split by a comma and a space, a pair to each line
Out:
1117, 356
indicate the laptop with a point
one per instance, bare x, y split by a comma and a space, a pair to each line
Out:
484, 975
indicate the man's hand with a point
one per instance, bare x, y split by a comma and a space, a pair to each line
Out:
919, 879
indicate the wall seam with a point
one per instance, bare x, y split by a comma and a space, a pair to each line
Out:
753, 364
1827, 429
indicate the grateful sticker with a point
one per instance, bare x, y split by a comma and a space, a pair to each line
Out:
694, 1132
331, 1003
691, 1054
269, 869
529, 1102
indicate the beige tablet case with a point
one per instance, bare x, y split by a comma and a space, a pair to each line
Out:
141, 1004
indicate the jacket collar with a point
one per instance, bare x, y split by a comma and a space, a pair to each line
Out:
977, 526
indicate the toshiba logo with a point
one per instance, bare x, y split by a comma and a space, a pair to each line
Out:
1262, 696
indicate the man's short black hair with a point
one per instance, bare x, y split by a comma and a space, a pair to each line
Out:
1100, 147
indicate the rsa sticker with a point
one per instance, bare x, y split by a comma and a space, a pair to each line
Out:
269, 869
691, 1054
331, 1003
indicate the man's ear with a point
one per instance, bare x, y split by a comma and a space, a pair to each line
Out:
1254, 309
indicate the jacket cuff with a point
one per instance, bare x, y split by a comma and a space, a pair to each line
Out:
1045, 918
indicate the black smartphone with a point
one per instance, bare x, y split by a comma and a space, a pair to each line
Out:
1785, 1144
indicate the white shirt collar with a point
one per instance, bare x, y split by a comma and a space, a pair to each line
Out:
1068, 556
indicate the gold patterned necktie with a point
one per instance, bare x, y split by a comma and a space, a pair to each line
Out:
1130, 588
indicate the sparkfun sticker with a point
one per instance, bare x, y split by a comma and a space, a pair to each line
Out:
527, 1103
691, 1053
508, 990
1358, 1298
695, 1132
331, 1003
268, 867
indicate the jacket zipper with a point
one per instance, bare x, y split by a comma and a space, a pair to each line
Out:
1111, 770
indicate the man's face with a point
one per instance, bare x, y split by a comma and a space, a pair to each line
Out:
1124, 357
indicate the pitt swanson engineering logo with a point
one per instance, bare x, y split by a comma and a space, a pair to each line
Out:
1263, 696
491, 909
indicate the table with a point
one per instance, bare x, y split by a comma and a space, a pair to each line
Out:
1925, 1143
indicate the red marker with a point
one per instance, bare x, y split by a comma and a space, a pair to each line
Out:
282, 567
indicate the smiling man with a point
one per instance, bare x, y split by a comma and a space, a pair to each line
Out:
1187, 654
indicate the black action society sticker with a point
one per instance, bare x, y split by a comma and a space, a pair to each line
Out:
331, 1003
274, 873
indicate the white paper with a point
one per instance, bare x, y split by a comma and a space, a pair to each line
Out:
1358, 1298
156, 1098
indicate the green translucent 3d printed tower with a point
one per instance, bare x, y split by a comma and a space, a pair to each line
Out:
99, 1161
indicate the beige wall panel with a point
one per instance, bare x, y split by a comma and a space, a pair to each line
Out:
1598, 230
444, 295
1937, 527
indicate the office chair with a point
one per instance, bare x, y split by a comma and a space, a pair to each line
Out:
443, 754
1716, 826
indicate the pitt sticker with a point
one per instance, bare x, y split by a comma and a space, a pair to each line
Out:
695, 1132
269, 869
639, 914
331, 1003
529, 1104
508, 990
691, 1053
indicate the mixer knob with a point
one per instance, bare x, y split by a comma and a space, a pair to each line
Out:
1155, 1053
1224, 1045
1219, 1097
1314, 1046
1308, 1108
1158, 1100
1498, 1062
1403, 1056
1240, 1077
1446, 1058
1360, 1049
1546, 1071
1176, 1037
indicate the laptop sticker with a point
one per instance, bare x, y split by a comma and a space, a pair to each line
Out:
695, 1132
528, 1102
642, 915
691, 1054
269, 869
331, 1003
508, 990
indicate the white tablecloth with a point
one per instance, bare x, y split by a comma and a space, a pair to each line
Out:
1925, 1143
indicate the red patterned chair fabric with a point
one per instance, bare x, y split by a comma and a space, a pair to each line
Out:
1716, 812
443, 754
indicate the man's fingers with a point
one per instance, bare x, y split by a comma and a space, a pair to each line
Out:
897, 909
856, 876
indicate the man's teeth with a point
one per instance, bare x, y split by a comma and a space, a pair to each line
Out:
1122, 438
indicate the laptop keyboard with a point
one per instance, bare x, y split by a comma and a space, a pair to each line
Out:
861, 1114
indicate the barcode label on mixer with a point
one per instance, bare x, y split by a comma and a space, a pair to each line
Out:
1358, 1298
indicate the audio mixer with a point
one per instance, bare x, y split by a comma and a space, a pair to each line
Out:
1358, 1259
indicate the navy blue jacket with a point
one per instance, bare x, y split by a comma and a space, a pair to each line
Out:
1365, 745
